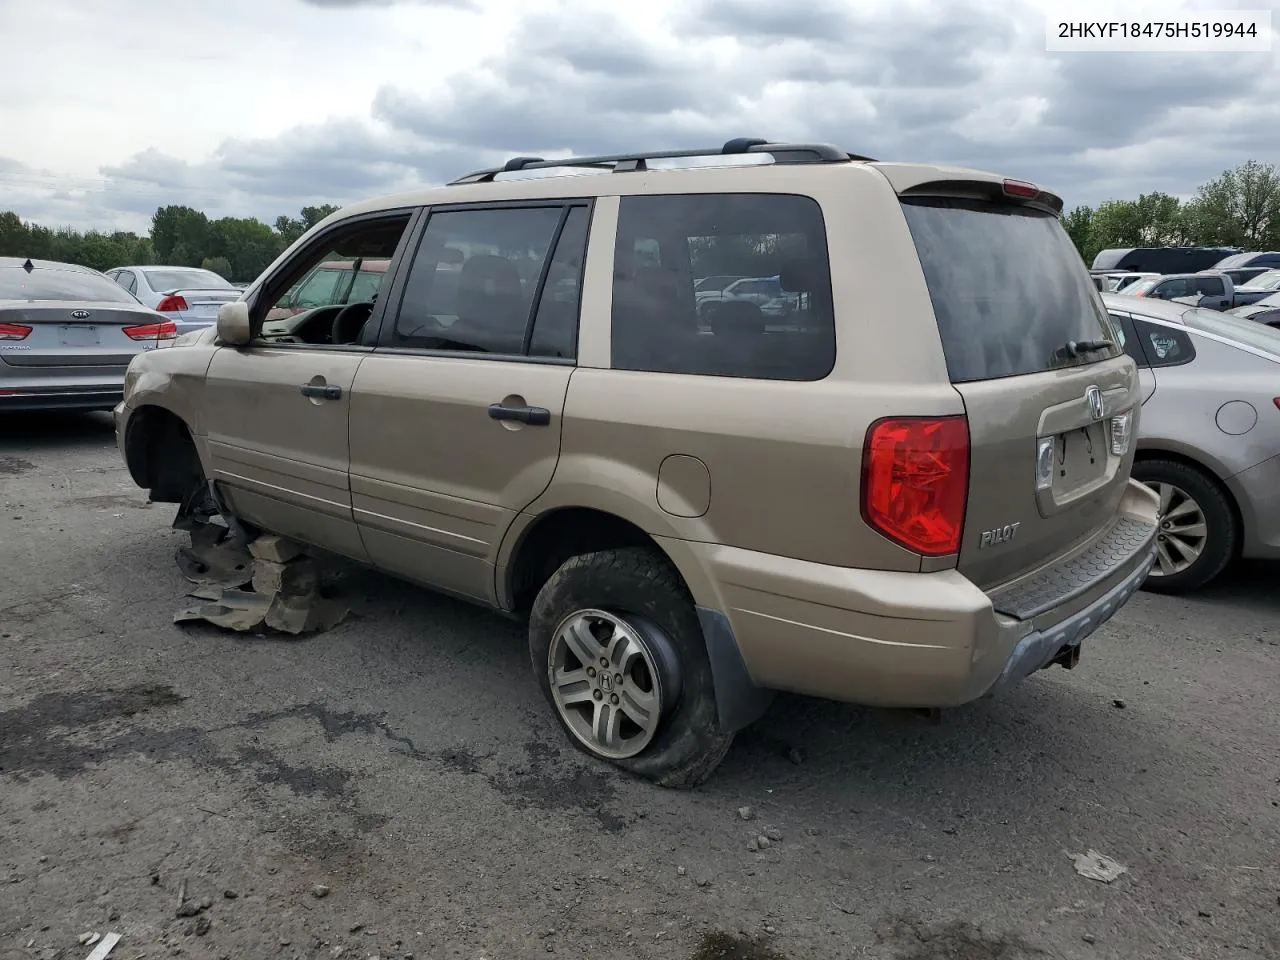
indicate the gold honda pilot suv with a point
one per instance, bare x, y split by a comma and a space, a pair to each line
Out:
892, 468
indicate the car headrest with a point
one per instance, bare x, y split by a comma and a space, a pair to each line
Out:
489, 275
802, 276
737, 318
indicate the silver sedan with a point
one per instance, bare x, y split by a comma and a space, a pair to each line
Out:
67, 334
1209, 435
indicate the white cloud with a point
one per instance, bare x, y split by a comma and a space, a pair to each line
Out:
258, 107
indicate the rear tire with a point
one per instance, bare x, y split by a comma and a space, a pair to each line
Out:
628, 605
1198, 535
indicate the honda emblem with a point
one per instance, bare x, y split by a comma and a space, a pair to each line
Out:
1093, 397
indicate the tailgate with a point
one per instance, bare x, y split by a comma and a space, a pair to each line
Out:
1046, 388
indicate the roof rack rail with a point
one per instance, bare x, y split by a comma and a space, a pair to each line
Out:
631, 162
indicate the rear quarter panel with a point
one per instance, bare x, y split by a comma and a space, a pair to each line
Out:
1183, 415
783, 458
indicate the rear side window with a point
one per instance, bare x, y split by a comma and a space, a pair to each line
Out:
1164, 346
1210, 286
770, 319
1008, 288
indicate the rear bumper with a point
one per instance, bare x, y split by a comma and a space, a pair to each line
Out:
905, 639
103, 397
1257, 493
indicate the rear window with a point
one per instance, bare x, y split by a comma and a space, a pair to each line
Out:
1250, 333
1008, 288
162, 281
51, 283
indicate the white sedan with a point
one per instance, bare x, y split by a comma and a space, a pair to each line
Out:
189, 296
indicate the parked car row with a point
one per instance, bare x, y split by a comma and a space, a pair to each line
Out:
1208, 289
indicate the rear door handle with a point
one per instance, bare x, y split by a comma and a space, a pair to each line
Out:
322, 391
534, 416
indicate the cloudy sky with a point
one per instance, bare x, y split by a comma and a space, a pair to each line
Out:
259, 107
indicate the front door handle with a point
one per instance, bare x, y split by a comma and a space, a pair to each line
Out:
534, 416
322, 391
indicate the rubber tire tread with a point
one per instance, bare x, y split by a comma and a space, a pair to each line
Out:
1223, 539
637, 580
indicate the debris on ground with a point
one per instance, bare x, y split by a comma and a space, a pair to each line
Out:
104, 947
319, 891
267, 585
213, 562
746, 813
1095, 866
274, 549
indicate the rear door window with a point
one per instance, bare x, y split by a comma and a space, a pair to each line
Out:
1128, 339
1210, 286
1008, 288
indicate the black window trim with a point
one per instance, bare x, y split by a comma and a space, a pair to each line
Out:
386, 344
1121, 317
271, 286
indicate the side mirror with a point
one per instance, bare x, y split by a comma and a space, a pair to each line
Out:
233, 323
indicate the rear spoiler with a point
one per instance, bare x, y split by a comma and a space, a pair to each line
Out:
1008, 191
177, 290
926, 180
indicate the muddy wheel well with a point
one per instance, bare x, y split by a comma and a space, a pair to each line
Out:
562, 534
161, 455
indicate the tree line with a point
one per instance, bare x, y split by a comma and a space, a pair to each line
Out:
1238, 208
238, 248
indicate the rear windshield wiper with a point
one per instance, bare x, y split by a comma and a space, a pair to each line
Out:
1074, 348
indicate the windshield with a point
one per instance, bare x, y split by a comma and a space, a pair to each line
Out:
1251, 334
53, 283
179, 279
1008, 288
1141, 286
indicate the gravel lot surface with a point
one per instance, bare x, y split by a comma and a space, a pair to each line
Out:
396, 787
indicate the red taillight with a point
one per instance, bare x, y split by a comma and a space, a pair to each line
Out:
1276, 401
170, 304
14, 331
1020, 188
915, 481
152, 331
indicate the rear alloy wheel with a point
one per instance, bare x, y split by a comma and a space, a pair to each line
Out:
617, 649
1197, 533
606, 682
